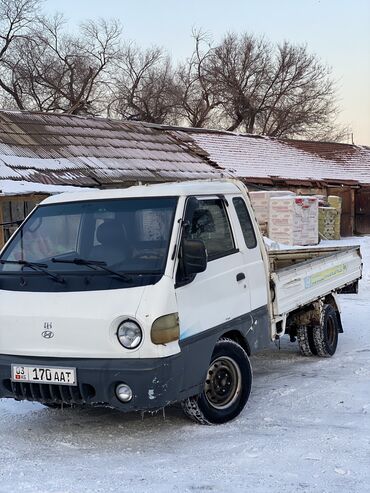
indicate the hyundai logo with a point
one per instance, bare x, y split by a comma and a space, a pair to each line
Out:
47, 334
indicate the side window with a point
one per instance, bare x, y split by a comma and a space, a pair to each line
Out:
245, 222
209, 223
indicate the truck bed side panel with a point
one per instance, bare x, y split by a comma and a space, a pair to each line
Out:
299, 285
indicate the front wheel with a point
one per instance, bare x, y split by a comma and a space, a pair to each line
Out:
226, 388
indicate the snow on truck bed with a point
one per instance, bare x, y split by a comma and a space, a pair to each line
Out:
306, 428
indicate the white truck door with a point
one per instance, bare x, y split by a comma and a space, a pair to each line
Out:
248, 246
221, 293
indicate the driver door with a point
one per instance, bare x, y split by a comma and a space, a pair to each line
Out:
221, 293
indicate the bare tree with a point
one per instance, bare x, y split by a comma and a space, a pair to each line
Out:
243, 83
282, 91
238, 69
300, 95
145, 88
54, 71
16, 19
198, 99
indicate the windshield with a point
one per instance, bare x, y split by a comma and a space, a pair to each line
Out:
127, 235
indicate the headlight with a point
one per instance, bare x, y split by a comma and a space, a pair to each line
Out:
129, 334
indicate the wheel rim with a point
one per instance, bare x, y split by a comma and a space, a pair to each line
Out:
331, 331
223, 383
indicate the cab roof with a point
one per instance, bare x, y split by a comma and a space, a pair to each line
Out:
196, 187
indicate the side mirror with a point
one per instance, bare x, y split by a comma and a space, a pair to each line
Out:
194, 255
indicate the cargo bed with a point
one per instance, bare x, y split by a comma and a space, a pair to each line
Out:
300, 276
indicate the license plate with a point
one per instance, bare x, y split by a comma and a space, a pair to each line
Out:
44, 374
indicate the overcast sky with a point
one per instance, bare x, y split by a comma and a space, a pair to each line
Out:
338, 31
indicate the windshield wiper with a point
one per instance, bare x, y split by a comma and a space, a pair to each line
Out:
92, 264
36, 266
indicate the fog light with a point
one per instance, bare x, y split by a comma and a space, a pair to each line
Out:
123, 392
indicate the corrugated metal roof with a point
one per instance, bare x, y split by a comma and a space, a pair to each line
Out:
61, 149
258, 157
55, 149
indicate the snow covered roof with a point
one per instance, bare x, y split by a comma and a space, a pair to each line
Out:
58, 150
259, 157
44, 152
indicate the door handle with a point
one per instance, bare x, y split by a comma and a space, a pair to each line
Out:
240, 276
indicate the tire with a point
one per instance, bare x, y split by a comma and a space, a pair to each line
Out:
226, 388
306, 341
325, 335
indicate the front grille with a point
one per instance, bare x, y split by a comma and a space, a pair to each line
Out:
50, 394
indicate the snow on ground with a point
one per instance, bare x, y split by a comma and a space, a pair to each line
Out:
306, 428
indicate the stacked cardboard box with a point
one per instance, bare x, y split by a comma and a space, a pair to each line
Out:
261, 204
328, 223
293, 220
336, 202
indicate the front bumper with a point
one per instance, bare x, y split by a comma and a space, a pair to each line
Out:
155, 382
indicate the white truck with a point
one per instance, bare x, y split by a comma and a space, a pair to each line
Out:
142, 297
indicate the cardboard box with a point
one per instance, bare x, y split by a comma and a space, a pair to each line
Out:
294, 220
329, 223
261, 202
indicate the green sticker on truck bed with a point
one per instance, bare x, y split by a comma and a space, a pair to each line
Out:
326, 274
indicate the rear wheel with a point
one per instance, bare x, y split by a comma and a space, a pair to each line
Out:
325, 335
306, 341
226, 388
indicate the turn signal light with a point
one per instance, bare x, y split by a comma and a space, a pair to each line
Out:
165, 329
